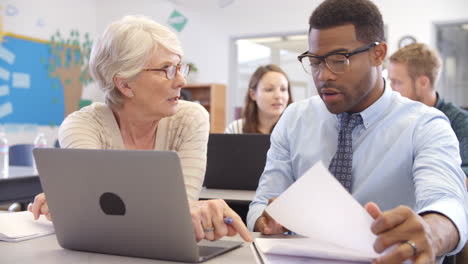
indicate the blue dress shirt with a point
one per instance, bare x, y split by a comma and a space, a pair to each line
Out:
405, 153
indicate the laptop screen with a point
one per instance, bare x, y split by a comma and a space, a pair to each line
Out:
236, 161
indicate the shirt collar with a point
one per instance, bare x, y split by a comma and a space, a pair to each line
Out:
374, 111
377, 109
439, 101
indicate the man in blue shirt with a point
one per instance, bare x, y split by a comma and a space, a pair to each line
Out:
413, 72
397, 157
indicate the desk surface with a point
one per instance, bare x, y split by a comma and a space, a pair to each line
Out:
20, 172
229, 195
47, 250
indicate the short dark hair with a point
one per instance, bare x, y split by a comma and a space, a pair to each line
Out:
363, 14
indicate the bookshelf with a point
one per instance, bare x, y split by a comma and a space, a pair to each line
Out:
213, 97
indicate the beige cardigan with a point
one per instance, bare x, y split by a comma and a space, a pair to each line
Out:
186, 132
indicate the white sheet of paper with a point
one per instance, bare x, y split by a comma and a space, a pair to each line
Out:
21, 226
309, 248
267, 244
317, 206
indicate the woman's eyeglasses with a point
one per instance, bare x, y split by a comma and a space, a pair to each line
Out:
171, 71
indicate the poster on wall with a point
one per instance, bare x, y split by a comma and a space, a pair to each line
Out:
41, 81
27, 85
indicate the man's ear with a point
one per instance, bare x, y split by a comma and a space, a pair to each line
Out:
378, 54
423, 82
122, 85
252, 94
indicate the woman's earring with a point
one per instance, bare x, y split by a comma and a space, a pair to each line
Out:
130, 94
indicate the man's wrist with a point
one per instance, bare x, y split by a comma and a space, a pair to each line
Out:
442, 233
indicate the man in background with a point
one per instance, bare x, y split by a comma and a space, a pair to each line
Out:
413, 71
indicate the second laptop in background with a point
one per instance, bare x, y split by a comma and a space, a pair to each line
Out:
236, 161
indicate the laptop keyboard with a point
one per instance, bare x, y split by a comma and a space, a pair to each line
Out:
205, 251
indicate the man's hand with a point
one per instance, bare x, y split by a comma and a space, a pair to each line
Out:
267, 225
411, 234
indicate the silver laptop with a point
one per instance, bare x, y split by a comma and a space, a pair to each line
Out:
130, 203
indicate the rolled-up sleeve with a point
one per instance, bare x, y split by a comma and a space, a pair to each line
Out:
438, 178
278, 173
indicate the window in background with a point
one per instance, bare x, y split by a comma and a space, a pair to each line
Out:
247, 53
451, 41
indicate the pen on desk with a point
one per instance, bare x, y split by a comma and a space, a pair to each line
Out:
228, 220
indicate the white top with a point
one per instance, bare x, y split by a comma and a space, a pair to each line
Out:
235, 127
186, 132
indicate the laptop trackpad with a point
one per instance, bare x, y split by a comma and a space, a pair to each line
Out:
210, 249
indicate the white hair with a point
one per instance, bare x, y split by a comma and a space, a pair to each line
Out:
124, 50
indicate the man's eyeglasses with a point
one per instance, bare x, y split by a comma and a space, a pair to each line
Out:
337, 62
171, 71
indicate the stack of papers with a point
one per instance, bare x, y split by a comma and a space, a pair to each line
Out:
333, 224
21, 226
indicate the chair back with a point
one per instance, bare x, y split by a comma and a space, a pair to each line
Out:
21, 155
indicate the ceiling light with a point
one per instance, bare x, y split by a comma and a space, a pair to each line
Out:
297, 37
266, 40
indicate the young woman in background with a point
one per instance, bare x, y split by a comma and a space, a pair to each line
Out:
268, 96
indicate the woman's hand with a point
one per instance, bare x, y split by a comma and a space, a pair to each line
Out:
208, 218
39, 207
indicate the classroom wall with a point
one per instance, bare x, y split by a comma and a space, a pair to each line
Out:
210, 28
247, 18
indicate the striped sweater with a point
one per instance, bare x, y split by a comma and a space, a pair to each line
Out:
186, 132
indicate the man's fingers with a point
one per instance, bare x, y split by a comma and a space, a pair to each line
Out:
394, 236
373, 209
260, 224
273, 226
281, 229
411, 230
268, 226
271, 200
398, 255
422, 259
390, 219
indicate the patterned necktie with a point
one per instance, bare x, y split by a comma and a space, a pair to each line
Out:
342, 162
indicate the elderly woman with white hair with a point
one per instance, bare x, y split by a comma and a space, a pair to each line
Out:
138, 65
